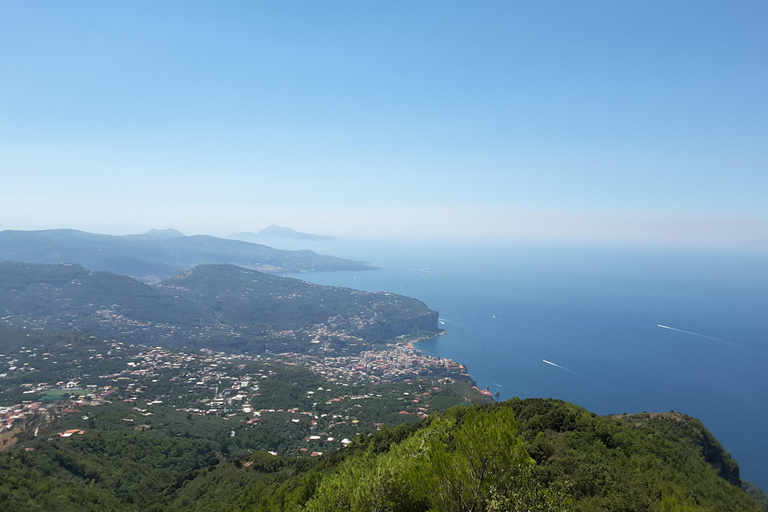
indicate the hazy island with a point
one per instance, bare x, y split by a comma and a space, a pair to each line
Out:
272, 232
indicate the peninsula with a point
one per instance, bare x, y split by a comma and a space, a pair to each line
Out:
220, 307
159, 254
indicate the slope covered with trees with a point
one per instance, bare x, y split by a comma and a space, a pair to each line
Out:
223, 307
153, 439
517, 455
537, 454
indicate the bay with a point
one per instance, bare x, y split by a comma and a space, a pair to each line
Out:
613, 329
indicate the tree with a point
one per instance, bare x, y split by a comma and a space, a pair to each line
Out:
482, 461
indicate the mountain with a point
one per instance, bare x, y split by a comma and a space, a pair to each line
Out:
533, 454
161, 233
278, 232
158, 254
221, 307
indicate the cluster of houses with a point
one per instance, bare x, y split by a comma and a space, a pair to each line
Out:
19, 412
14, 365
216, 383
27, 409
110, 317
396, 363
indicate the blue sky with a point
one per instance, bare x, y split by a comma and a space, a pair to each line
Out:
631, 120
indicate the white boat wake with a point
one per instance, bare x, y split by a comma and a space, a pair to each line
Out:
687, 332
557, 365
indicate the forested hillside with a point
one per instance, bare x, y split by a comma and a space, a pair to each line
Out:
517, 455
222, 307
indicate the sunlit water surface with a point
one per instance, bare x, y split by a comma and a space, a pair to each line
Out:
584, 325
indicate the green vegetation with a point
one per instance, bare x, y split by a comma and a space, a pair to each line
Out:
89, 383
558, 457
105, 471
610, 464
213, 306
149, 437
757, 494
517, 455
93, 423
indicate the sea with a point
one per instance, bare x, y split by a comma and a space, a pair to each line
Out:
615, 329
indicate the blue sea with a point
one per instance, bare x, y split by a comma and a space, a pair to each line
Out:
613, 329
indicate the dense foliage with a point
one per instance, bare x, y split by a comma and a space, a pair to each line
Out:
757, 494
141, 432
558, 457
215, 306
518, 455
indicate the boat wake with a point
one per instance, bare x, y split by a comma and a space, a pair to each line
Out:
558, 366
444, 320
687, 332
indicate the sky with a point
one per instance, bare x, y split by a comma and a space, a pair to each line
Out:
591, 120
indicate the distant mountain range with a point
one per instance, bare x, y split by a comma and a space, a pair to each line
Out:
158, 254
221, 307
277, 232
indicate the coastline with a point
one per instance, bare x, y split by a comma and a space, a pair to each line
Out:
421, 337
464, 371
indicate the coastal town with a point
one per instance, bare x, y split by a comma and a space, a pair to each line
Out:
322, 401
398, 362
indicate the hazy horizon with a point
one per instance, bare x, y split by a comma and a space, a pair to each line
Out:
345, 245
591, 121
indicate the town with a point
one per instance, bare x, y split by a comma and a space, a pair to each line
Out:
318, 403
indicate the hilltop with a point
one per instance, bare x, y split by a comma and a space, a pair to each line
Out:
224, 307
158, 254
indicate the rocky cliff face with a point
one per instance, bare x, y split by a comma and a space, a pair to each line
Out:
682, 426
719, 458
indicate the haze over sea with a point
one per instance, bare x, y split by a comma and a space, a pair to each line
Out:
611, 329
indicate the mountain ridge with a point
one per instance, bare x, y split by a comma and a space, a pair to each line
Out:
210, 306
158, 255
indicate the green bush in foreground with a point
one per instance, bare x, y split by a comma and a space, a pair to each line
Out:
520, 455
